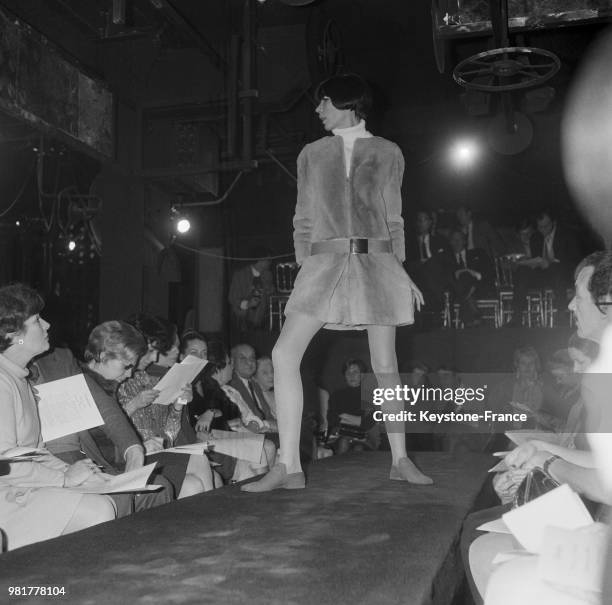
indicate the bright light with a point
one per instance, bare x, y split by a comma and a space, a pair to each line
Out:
464, 153
183, 225
17, 223
71, 245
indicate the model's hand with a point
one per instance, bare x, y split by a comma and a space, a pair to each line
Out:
417, 296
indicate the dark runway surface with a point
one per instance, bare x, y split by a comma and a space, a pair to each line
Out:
352, 536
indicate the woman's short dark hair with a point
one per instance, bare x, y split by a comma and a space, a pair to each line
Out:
115, 339
18, 302
189, 336
347, 91
217, 359
354, 361
159, 333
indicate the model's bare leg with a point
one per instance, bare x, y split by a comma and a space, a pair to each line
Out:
287, 354
384, 364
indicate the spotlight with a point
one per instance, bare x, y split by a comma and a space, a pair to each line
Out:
182, 224
71, 245
17, 223
464, 153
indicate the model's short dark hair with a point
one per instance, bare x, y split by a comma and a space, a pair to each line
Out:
114, 339
347, 91
159, 333
18, 302
354, 361
600, 284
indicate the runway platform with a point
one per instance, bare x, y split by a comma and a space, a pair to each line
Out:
352, 536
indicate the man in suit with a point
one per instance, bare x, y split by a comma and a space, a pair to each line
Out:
423, 252
479, 234
554, 254
469, 272
245, 366
249, 293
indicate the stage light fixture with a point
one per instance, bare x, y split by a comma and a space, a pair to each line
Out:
183, 225
463, 154
71, 245
181, 221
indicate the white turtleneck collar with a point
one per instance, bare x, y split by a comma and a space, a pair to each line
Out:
349, 136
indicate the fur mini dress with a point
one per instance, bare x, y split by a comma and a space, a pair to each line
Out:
351, 291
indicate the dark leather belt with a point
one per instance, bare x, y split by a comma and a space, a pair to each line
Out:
353, 245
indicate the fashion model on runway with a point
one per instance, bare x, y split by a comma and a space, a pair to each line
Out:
349, 243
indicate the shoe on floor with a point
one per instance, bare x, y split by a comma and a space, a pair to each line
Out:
405, 470
276, 478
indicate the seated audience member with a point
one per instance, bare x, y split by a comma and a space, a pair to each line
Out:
423, 250
243, 380
114, 447
193, 343
414, 374
264, 376
564, 464
522, 243
554, 253
224, 408
160, 425
349, 416
249, 292
33, 504
479, 234
561, 389
522, 391
469, 274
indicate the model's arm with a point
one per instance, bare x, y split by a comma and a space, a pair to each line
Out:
392, 195
302, 221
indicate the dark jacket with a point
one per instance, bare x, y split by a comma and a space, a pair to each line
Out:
477, 260
437, 245
263, 410
105, 445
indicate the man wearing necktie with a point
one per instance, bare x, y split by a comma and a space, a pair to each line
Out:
555, 254
423, 252
245, 366
468, 272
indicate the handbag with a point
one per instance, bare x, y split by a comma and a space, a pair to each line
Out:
535, 484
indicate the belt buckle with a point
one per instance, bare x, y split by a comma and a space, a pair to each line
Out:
359, 245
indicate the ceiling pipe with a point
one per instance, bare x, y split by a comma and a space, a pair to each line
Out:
176, 18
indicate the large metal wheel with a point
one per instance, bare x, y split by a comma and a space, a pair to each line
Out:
509, 68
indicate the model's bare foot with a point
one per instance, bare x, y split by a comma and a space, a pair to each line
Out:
405, 470
277, 478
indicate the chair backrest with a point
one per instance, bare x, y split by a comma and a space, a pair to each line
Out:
503, 272
285, 274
